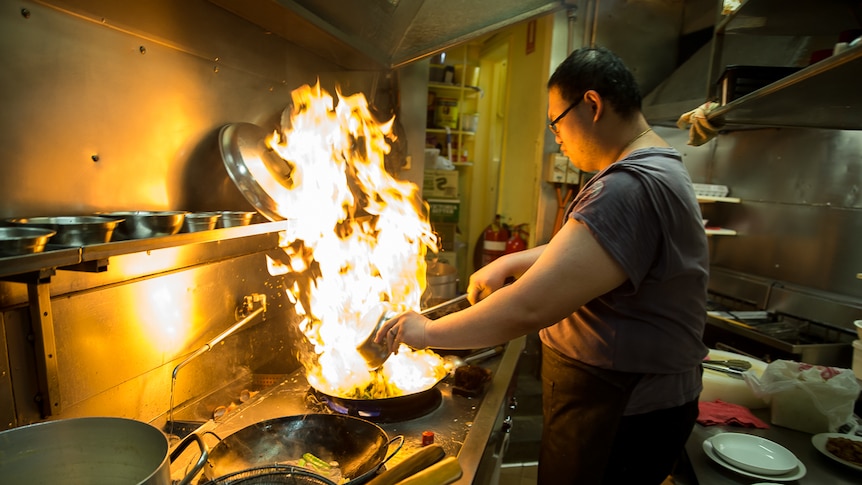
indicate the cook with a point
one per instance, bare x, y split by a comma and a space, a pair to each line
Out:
618, 295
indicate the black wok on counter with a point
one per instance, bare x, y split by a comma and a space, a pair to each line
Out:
475, 429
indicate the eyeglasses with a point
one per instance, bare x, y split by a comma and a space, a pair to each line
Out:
553, 125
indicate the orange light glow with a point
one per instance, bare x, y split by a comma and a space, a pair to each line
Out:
358, 237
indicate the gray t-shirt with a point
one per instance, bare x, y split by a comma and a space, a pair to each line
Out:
644, 212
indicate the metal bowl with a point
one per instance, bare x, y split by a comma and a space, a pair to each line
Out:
200, 221
73, 231
15, 241
146, 224
235, 218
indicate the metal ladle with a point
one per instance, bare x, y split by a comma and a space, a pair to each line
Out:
375, 354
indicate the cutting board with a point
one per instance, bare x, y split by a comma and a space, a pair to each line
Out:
718, 385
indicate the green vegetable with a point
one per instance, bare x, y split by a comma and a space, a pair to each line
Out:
315, 461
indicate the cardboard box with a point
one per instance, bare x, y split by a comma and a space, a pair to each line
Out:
440, 184
444, 210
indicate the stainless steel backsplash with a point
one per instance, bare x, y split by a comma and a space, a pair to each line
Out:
116, 106
799, 222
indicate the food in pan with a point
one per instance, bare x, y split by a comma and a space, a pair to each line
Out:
846, 449
329, 470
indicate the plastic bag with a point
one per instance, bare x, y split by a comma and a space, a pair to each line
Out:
805, 397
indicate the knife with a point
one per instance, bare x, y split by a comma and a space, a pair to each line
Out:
720, 368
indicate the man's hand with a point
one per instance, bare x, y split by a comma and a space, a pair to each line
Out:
485, 281
407, 328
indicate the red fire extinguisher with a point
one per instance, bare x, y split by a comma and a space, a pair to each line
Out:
494, 241
517, 242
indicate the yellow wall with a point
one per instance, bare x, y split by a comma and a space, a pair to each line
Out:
517, 195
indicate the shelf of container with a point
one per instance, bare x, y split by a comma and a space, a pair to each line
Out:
823, 95
706, 199
719, 231
463, 164
71, 257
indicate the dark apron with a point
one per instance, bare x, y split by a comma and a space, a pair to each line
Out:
581, 406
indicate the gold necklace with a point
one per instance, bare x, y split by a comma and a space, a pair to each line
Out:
633, 140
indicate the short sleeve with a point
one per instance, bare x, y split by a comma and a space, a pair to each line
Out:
617, 210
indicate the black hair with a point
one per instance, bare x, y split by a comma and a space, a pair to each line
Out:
599, 69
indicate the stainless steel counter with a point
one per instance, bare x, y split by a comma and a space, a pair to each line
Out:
820, 469
463, 426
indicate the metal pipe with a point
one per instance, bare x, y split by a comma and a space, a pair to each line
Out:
591, 27
588, 14
248, 303
572, 16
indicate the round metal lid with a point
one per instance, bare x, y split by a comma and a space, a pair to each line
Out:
258, 172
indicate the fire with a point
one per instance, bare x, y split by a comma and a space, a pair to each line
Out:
359, 238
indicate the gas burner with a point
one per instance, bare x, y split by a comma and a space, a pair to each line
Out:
387, 410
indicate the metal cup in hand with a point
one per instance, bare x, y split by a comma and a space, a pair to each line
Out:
375, 354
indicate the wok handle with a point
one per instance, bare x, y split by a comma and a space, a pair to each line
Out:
201, 461
400, 440
444, 304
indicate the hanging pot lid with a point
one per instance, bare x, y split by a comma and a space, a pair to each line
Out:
256, 169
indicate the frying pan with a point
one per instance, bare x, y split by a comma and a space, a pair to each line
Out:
360, 447
386, 409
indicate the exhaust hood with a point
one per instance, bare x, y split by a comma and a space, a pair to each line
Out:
375, 34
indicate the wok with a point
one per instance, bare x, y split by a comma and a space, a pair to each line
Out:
387, 409
360, 447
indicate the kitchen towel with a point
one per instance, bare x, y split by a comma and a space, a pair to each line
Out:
719, 412
701, 130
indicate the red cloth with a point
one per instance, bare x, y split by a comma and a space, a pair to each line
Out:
720, 412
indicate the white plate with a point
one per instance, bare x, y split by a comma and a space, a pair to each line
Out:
819, 442
754, 453
798, 473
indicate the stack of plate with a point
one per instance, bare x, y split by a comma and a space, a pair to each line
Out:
754, 456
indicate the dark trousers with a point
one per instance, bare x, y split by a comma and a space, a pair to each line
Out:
587, 440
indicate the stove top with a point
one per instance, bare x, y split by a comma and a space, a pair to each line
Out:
461, 425
770, 335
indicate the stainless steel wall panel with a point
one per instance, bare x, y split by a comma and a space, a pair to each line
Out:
117, 105
697, 159
386, 33
790, 165
799, 220
140, 92
123, 332
807, 245
814, 306
747, 288
644, 34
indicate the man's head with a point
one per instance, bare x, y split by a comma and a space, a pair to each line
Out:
594, 108
600, 70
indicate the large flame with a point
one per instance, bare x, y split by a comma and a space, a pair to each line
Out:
359, 238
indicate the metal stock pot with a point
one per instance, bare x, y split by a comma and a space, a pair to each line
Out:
91, 450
